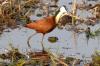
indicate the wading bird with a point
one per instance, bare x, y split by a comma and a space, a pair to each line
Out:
46, 24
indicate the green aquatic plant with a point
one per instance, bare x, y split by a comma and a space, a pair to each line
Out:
53, 39
90, 34
68, 60
96, 59
20, 62
13, 54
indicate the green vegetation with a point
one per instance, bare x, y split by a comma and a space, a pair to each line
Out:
96, 59
69, 60
53, 39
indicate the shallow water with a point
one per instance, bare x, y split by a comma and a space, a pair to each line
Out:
18, 38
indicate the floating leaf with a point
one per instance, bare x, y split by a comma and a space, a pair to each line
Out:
39, 15
53, 39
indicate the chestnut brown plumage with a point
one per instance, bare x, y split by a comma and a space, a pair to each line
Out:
46, 24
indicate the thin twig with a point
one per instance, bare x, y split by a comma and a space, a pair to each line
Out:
56, 59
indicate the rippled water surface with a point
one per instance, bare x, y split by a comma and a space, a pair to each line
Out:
18, 38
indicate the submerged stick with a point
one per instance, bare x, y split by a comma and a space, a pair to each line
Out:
75, 39
26, 14
74, 10
58, 60
55, 59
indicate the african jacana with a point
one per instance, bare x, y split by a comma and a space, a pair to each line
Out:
47, 24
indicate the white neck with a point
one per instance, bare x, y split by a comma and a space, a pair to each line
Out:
61, 13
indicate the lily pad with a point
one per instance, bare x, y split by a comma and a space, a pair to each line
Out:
53, 39
39, 15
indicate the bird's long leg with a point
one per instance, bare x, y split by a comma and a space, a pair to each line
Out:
42, 43
28, 43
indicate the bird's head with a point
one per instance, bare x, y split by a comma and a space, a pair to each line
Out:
62, 11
